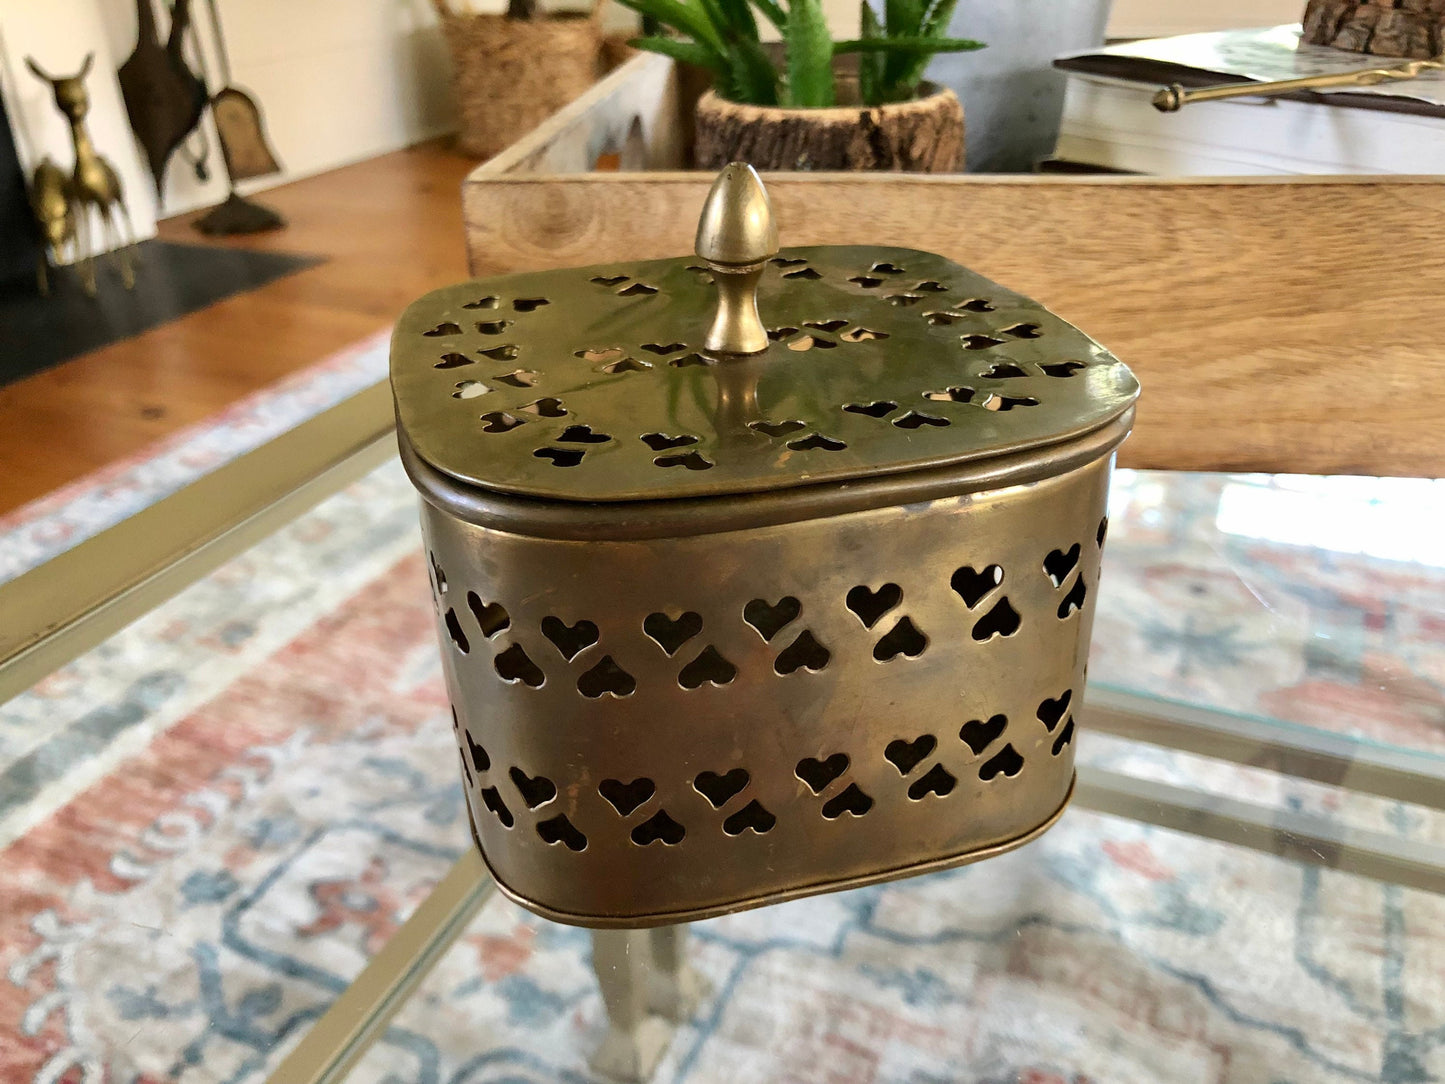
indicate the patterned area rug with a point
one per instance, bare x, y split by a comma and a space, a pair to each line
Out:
208, 824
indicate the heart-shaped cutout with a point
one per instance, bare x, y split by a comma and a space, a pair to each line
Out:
664, 348
671, 633
979, 734
499, 421
903, 639
1024, 331
819, 773
708, 667
626, 797
862, 335
1065, 736
719, 788
937, 780
802, 273
951, 395
942, 319
493, 327
1074, 600
637, 289
973, 585
931, 287
658, 828
661, 442
980, 342
1004, 403
778, 334
518, 378
492, 617
515, 665
868, 282
1002, 620
535, 789
456, 632
688, 460
1058, 564
505, 352
817, 440
529, 304
752, 817
606, 678
626, 365
600, 353
559, 829
886, 268
606, 280
869, 606
570, 640
906, 755
903, 301
560, 457
777, 429
804, 653
1005, 762
1102, 532
1051, 711
582, 434
470, 389
788, 261
850, 799
826, 325
546, 408
975, 304
770, 618
1063, 368
689, 360
1004, 370
881, 409
492, 799
483, 303
454, 361
443, 329
916, 419
480, 761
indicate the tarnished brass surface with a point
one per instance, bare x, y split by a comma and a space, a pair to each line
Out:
593, 385
736, 236
662, 729
1175, 97
722, 628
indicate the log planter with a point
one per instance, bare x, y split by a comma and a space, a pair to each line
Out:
924, 135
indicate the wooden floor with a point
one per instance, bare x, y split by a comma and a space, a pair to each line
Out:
391, 229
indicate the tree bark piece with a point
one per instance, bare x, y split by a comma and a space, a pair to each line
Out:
924, 135
1405, 28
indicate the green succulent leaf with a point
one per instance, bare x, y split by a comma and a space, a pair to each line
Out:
753, 78
870, 65
907, 45
809, 49
683, 17
689, 52
774, 13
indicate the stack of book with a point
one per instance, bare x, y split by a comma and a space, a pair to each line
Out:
1109, 122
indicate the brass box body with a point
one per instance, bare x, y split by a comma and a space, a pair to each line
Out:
720, 631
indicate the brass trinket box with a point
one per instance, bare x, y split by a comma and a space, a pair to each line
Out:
734, 610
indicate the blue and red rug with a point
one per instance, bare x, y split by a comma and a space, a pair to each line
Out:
209, 823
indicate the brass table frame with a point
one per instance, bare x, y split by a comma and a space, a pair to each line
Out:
75, 601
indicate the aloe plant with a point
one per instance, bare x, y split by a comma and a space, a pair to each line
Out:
722, 36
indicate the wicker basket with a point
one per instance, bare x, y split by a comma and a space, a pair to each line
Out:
511, 74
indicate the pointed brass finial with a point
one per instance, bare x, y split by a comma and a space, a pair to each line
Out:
737, 236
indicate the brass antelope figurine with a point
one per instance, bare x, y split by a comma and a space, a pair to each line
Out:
93, 182
54, 210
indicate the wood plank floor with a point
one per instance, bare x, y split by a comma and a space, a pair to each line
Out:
391, 229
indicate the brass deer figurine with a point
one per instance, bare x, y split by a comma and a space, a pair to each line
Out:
93, 183
54, 210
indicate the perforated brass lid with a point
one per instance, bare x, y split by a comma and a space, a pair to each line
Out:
598, 384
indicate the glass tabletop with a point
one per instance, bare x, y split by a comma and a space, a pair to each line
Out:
211, 822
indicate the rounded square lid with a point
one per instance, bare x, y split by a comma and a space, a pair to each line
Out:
593, 384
